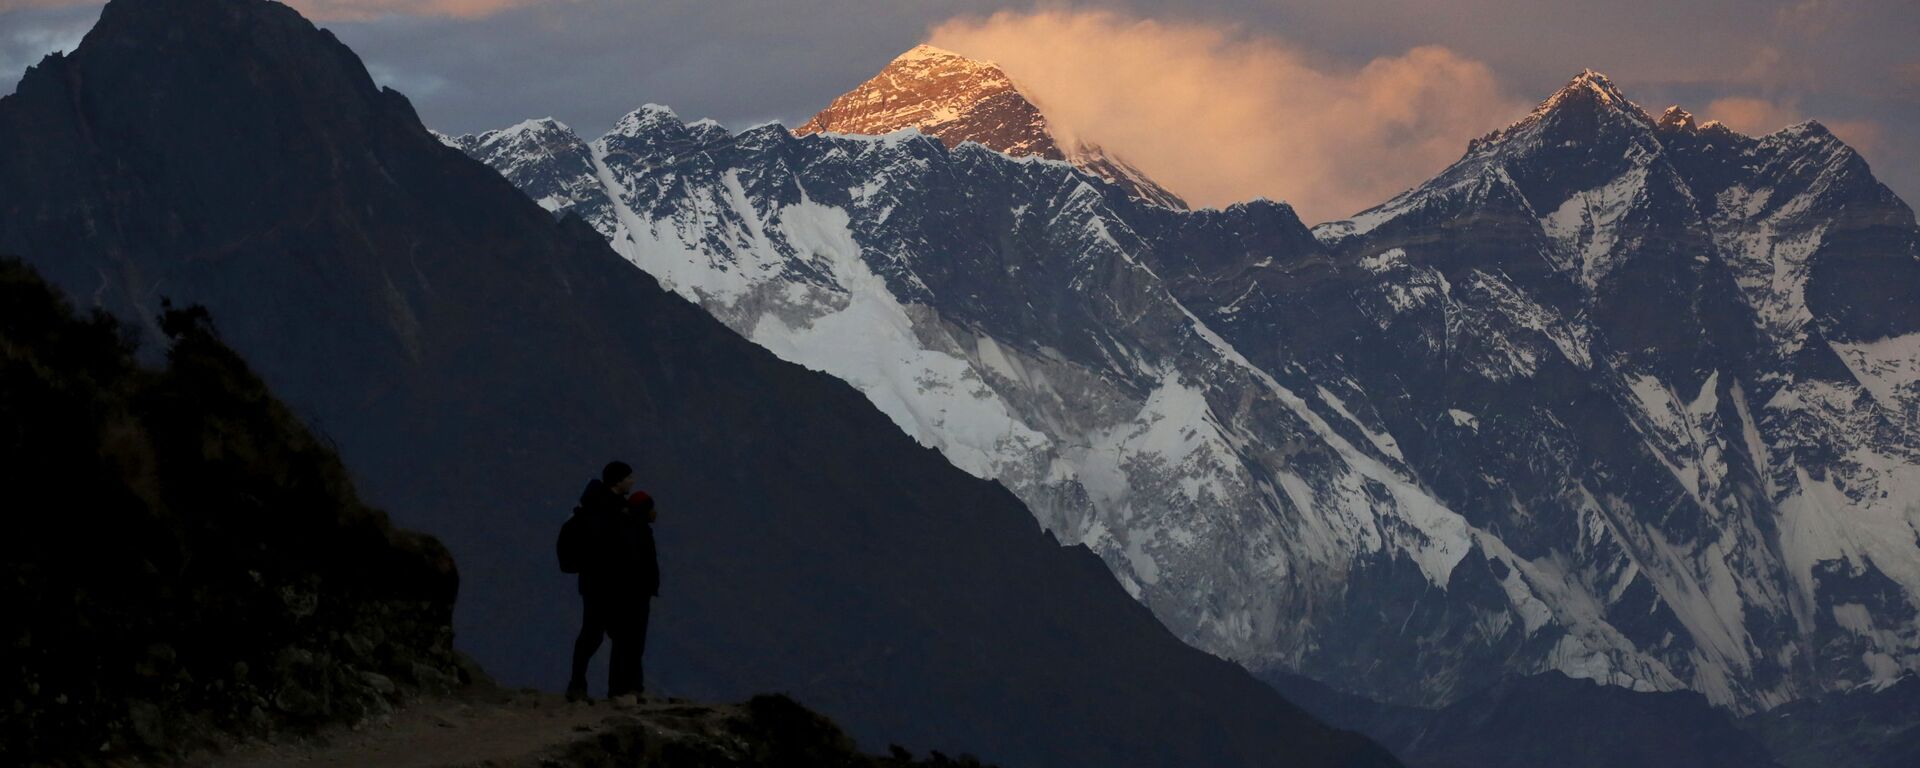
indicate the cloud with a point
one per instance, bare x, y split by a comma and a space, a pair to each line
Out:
28, 38
20, 5
1758, 117
413, 84
1815, 18
342, 10
1219, 115
356, 10
1906, 79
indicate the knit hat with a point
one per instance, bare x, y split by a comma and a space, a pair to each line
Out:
640, 502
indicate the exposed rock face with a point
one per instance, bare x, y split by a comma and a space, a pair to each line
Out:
1623, 398
956, 99
184, 563
477, 359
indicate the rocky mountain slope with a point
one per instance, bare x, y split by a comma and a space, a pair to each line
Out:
956, 99
475, 359
184, 563
1621, 397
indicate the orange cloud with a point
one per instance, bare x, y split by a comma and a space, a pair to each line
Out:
1758, 117
1219, 116
342, 10
1906, 78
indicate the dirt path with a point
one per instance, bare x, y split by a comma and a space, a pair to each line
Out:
498, 728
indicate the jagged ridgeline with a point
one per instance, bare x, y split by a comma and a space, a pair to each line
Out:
184, 560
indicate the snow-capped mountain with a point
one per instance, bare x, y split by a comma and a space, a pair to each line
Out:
1627, 398
1686, 357
956, 99
1002, 310
543, 158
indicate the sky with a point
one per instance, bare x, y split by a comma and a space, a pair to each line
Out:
1331, 105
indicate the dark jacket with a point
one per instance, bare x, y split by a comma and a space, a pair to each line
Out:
622, 560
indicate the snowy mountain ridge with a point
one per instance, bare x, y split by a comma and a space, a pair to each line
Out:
1585, 428
1102, 433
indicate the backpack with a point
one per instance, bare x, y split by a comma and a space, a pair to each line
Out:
574, 542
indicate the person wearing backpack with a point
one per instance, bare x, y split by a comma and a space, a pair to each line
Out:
609, 542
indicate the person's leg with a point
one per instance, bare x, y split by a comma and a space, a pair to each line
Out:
627, 626
620, 656
642, 609
592, 628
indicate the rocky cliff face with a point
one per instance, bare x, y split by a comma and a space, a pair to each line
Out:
1617, 396
476, 359
184, 563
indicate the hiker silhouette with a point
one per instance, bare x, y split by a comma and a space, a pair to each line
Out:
612, 547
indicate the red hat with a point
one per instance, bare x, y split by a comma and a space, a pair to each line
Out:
640, 501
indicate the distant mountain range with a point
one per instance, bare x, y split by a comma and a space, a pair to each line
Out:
1619, 396
1616, 397
475, 360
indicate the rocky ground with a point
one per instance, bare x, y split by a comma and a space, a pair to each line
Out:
485, 725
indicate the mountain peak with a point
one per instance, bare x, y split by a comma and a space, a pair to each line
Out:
957, 99
1592, 90
247, 35
925, 52
924, 60
945, 95
1811, 134
1807, 128
1588, 100
1677, 119
645, 118
1590, 78
539, 126
535, 130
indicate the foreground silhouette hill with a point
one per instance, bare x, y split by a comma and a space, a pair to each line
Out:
198, 582
473, 359
184, 562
